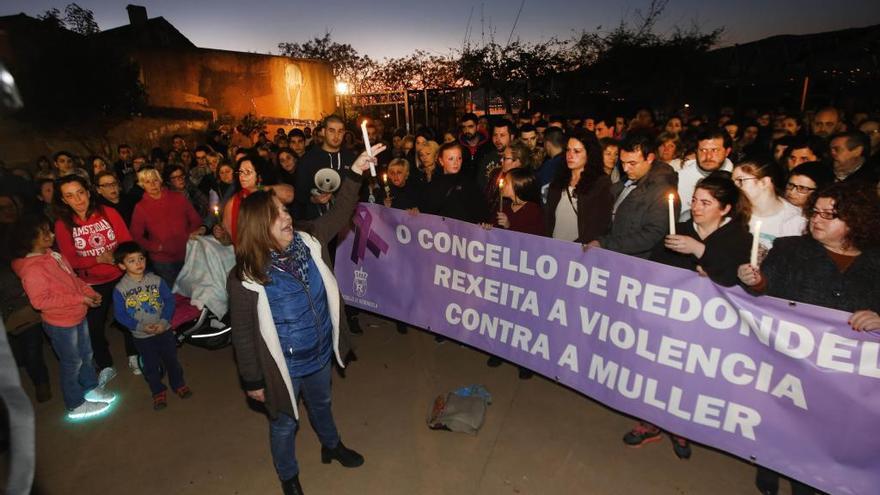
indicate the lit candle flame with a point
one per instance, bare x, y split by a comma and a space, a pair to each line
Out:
500, 194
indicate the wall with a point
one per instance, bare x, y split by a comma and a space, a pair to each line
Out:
21, 143
235, 83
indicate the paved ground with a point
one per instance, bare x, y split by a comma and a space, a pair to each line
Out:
539, 437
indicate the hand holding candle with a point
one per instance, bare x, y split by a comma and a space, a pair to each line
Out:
500, 195
387, 189
671, 214
756, 237
367, 144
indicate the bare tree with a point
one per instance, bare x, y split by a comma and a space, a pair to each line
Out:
80, 20
77, 19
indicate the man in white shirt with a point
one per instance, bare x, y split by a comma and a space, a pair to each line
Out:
713, 146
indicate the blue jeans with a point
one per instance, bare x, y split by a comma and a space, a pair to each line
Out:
75, 355
315, 390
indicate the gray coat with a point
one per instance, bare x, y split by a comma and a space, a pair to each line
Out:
642, 219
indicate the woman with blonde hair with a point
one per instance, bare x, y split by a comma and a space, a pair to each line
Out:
403, 193
163, 235
427, 155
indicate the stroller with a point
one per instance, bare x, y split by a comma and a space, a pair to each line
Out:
200, 328
200, 317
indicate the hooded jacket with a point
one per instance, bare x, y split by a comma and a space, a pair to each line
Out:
53, 288
314, 160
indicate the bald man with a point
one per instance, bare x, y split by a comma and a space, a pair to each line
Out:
826, 122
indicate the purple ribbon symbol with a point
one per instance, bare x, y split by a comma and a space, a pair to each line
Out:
365, 238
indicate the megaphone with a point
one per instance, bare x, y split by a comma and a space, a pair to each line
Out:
327, 180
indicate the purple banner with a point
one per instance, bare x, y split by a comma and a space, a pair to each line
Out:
788, 386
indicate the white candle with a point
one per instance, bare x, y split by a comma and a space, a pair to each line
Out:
387, 189
367, 145
216, 211
500, 195
671, 214
756, 236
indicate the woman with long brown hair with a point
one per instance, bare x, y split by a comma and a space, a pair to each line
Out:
287, 318
87, 233
579, 201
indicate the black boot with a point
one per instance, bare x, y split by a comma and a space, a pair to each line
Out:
354, 326
343, 454
291, 486
494, 361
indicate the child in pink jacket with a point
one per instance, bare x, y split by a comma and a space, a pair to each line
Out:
63, 300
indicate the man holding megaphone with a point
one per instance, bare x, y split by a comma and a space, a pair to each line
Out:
311, 202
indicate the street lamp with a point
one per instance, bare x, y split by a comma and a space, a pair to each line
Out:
342, 90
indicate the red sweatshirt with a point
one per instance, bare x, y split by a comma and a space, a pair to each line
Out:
53, 288
162, 226
99, 233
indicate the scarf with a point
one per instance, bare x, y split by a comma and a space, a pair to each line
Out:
236, 204
294, 260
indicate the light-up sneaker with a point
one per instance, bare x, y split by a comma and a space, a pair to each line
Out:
100, 395
88, 409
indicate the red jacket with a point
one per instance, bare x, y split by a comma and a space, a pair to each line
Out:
53, 288
162, 226
101, 232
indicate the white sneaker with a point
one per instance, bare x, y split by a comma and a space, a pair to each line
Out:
100, 395
106, 375
133, 365
88, 409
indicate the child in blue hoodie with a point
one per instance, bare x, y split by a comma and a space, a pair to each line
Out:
144, 304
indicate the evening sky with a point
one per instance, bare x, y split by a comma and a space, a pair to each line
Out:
389, 28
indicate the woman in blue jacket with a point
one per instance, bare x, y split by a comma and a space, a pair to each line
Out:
288, 321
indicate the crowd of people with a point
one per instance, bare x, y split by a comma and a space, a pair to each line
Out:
87, 234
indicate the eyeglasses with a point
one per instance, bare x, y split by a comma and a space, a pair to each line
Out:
825, 215
799, 188
508, 159
246, 173
739, 182
176, 177
109, 184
